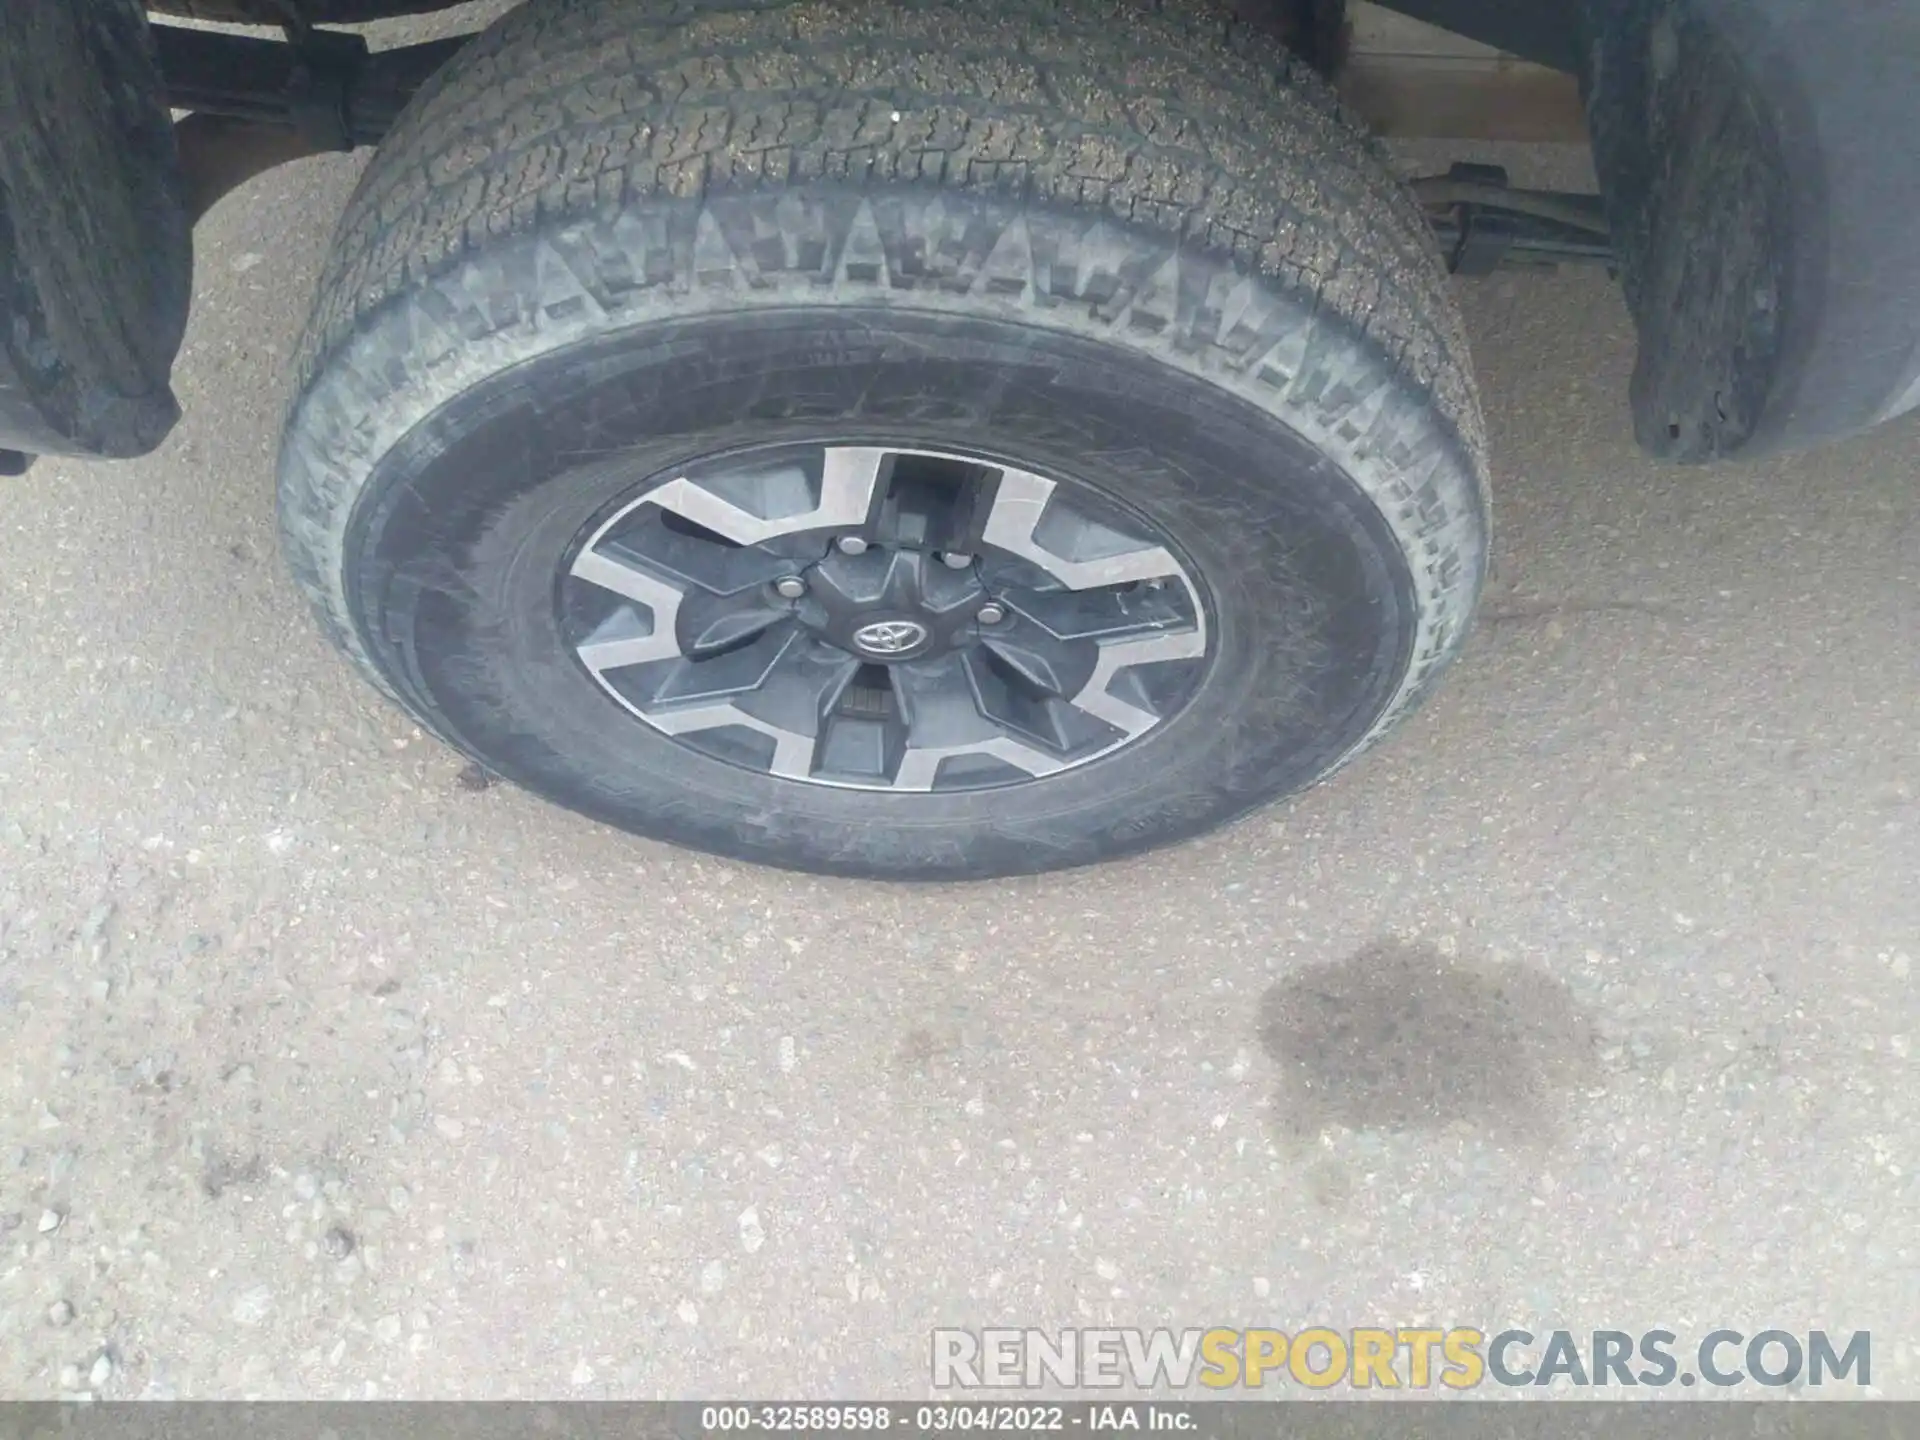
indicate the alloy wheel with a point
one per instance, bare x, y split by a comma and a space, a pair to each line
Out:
884, 618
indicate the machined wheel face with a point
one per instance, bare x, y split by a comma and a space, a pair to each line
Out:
878, 617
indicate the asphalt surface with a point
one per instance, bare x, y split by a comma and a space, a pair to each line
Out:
1586, 1002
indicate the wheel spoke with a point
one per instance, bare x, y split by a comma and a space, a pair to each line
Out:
688, 555
789, 705
920, 766
752, 508
715, 624
1096, 696
792, 752
944, 720
802, 687
1042, 667
1078, 552
1113, 613
615, 643
738, 671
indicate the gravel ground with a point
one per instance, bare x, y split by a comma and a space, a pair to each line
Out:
1588, 1001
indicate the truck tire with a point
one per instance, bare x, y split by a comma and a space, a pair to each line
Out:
922, 439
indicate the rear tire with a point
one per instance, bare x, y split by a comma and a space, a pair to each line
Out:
615, 245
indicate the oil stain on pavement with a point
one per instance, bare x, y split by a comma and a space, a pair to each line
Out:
1401, 1037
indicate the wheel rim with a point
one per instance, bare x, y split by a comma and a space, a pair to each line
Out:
884, 618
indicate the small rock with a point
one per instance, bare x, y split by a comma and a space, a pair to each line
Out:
101, 1372
582, 1374
69, 1377
474, 777
387, 1329
50, 1221
250, 1307
752, 1233
1262, 1287
337, 1243
93, 931
713, 1278
688, 1312
1106, 1269
60, 1314
305, 1187
449, 1127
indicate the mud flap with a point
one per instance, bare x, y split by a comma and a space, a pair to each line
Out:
1762, 182
95, 241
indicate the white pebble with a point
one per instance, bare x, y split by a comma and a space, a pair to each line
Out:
50, 1221
250, 1307
582, 1373
101, 1372
752, 1233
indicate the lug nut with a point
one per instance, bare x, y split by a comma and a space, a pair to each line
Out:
789, 587
955, 560
990, 614
851, 545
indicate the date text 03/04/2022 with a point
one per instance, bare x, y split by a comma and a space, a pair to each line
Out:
933, 1418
